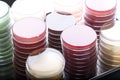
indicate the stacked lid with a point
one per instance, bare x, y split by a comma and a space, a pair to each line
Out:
109, 54
99, 12
29, 35
56, 23
47, 65
6, 49
74, 7
28, 8
79, 49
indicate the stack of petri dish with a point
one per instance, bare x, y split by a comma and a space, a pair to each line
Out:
6, 48
29, 36
56, 23
99, 12
48, 65
71, 7
79, 49
109, 53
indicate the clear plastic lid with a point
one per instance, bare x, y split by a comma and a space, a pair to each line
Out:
47, 64
28, 8
68, 6
29, 30
111, 35
58, 22
4, 14
79, 37
4, 9
101, 7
